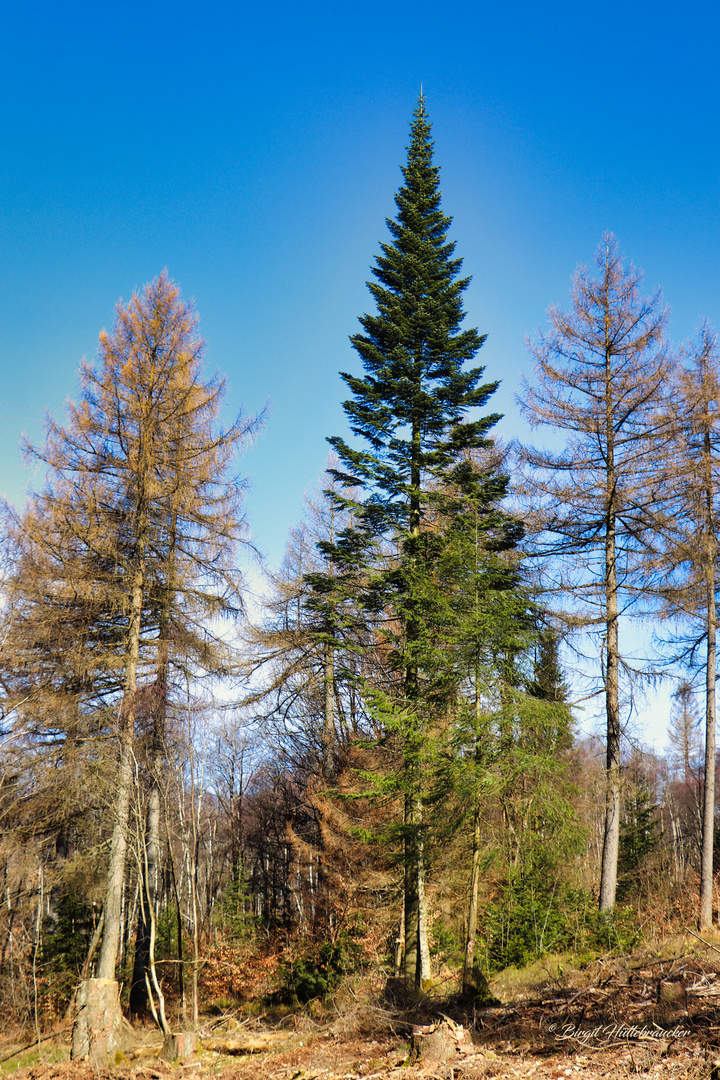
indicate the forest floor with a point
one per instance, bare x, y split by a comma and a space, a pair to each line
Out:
655, 1014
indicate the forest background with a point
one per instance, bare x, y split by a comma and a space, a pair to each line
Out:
266, 185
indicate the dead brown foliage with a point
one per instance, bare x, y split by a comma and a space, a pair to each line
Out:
645, 1015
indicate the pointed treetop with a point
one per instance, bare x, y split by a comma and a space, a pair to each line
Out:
420, 116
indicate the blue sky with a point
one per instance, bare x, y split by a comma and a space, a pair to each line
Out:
255, 154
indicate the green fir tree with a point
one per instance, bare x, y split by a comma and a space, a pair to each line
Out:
638, 836
421, 461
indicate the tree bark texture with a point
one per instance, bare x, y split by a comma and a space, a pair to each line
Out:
473, 905
149, 872
328, 744
98, 1026
708, 830
611, 841
149, 863
116, 870
416, 963
118, 849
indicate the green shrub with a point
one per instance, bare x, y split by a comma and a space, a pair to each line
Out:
445, 944
235, 913
64, 945
529, 920
615, 931
66, 934
318, 970
166, 935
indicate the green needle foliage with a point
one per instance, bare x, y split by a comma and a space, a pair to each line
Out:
423, 492
638, 837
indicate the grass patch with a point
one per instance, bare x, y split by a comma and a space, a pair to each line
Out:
576, 970
526, 981
52, 1054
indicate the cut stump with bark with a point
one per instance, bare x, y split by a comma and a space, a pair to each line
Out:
436, 1042
179, 1046
98, 1025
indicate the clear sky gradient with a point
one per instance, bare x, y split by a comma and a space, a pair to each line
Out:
255, 153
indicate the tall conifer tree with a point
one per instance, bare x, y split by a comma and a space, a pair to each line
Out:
414, 410
601, 375
127, 557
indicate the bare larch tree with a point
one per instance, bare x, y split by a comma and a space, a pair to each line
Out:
600, 376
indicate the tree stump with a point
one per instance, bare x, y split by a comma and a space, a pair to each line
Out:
98, 1026
180, 1046
672, 998
436, 1042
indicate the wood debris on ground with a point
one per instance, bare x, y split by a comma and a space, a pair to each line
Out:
655, 1017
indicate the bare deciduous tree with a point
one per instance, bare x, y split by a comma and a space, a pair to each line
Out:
690, 548
600, 378
129, 553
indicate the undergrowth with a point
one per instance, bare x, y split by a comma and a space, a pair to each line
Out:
320, 967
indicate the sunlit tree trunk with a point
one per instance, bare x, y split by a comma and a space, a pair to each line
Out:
469, 959
611, 840
708, 831
602, 376
118, 848
328, 742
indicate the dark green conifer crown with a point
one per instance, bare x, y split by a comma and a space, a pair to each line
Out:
411, 405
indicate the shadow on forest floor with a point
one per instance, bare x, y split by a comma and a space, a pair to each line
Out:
653, 1013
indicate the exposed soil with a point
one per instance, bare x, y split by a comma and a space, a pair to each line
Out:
372, 1059
635, 1017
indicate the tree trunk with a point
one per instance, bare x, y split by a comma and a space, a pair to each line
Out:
151, 973
328, 745
399, 944
196, 806
150, 863
412, 911
100, 1003
116, 870
148, 873
94, 942
178, 911
473, 907
36, 947
708, 831
98, 1026
416, 968
611, 842
422, 976
417, 953
118, 848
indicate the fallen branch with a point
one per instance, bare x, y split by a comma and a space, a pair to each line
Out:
35, 1042
702, 942
247, 1044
